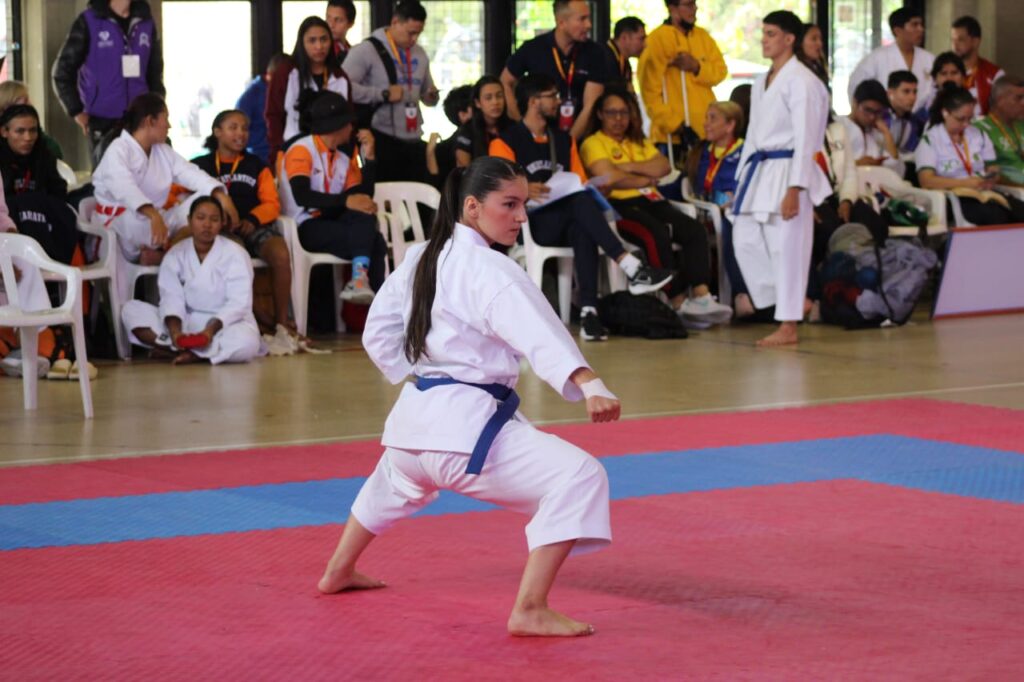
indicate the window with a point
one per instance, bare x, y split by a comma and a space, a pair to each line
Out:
292, 14
196, 88
6, 69
855, 32
453, 40
535, 16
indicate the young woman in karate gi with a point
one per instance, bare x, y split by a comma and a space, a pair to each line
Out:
205, 289
458, 316
779, 181
140, 181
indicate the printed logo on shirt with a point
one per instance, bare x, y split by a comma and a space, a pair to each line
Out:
543, 165
144, 40
105, 40
229, 178
34, 217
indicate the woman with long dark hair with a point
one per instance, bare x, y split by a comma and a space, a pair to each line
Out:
458, 317
313, 68
490, 118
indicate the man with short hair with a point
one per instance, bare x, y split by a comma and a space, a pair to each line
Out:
397, 121
902, 92
567, 56
341, 16
903, 55
627, 41
981, 73
871, 142
678, 50
1004, 125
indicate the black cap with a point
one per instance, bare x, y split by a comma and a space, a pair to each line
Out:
329, 112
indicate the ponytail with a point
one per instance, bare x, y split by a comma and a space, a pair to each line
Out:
479, 179
218, 121
146, 105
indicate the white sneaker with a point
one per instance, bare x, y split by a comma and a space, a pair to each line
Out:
12, 365
706, 309
358, 290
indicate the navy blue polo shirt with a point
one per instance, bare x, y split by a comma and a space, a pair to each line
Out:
585, 63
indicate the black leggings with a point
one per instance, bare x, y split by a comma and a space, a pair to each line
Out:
991, 213
577, 221
655, 226
352, 234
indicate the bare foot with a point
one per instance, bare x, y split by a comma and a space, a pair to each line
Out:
158, 353
785, 335
808, 305
545, 622
186, 357
341, 582
743, 306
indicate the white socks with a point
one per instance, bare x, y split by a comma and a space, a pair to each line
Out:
630, 264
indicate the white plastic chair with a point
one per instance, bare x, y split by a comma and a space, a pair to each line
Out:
303, 263
29, 251
958, 211
872, 178
537, 255
67, 173
714, 212
1015, 192
397, 208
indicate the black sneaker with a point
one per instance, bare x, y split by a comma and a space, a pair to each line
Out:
648, 279
591, 328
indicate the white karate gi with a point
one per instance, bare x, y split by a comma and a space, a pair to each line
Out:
884, 60
127, 178
487, 315
774, 255
338, 84
220, 286
842, 169
870, 143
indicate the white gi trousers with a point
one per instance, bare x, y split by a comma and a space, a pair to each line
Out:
563, 489
133, 229
239, 342
775, 258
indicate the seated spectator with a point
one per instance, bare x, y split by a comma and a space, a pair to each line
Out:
1004, 126
574, 220
458, 108
253, 103
342, 219
952, 156
980, 73
251, 187
205, 310
714, 179
618, 150
35, 190
871, 142
313, 68
628, 40
905, 129
947, 68
15, 92
141, 185
488, 121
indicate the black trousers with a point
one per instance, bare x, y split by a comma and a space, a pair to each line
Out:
655, 226
351, 234
577, 221
991, 213
400, 160
98, 132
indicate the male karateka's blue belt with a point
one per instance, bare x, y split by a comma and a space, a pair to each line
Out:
752, 162
508, 403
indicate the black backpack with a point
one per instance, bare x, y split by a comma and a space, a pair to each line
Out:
628, 315
365, 112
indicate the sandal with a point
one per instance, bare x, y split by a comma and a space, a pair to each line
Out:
91, 368
60, 370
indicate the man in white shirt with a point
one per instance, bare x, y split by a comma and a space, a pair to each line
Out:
871, 142
908, 30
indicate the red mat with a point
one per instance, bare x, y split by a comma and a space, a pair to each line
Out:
837, 580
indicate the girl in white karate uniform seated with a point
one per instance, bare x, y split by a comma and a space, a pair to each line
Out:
140, 183
205, 307
458, 316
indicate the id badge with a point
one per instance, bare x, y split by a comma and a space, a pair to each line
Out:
131, 66
412, 116
565, 116
651, 194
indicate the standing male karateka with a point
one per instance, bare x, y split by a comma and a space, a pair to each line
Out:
779, 181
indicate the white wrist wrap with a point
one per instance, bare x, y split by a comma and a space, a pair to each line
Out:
596, 388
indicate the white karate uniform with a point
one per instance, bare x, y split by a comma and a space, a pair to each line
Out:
195, 292
774, 255
127, 178
839, 159
870, 143
884, 60
338, 84
487, 315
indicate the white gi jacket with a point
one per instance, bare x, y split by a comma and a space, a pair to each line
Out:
884, 60
128, 177
841, 162
869, 143
487, 316
791, 114
220, 286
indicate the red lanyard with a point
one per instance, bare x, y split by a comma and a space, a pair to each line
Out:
715, 164
398, 58
965, 155
561, 69
234, 167
26, 181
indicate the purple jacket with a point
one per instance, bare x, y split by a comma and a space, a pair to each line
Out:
88, 74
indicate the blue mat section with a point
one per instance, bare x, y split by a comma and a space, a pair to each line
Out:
896, 460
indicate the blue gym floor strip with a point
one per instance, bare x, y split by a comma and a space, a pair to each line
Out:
933, 466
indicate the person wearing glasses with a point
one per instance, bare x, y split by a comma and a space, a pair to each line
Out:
871, 142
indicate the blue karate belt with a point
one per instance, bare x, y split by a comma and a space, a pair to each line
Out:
753, 161
508, 403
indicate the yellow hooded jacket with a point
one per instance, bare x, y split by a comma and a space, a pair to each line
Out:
656, 73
